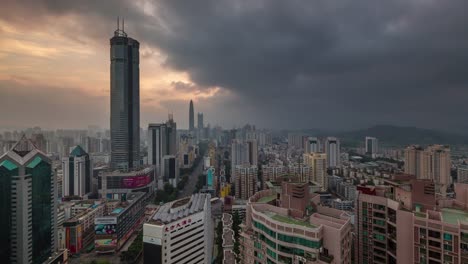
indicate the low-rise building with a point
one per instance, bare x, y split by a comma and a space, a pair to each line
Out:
119, 222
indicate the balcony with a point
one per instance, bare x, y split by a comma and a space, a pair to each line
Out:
326, 258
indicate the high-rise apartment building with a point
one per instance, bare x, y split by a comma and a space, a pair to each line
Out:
245, 180
239, 153
77, 172
372, 146
313, 145
332, 149
27, 210
252, 147
409, 224
462, 174
125, 101
180, 232
431, 163
191, 117
293, 230
317, 162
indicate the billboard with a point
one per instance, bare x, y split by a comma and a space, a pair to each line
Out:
105, 242
105, 229
105, 220
136, 181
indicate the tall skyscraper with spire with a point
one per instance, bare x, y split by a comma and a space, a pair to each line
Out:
191, 117
125, 101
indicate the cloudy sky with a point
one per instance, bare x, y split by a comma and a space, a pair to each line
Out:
331, 64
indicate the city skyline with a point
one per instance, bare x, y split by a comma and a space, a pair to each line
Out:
352, 73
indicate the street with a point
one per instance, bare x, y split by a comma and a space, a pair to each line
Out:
189, 187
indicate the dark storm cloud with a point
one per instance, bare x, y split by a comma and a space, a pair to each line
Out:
331, 63
302, 63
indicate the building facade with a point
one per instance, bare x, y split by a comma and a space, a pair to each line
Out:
332, 149
245, 181
28, 210
125, 101
77, 172
372, 146
287, 231
180, 232
317, 162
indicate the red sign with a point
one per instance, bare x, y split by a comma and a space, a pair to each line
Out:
136, 181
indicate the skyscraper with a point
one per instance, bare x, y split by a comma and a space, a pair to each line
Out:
191, 117
200, 124
125, 101
27, 205
332, 149
162, 140
372, 146
77, 171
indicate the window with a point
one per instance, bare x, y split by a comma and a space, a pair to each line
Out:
448, 237
434, 234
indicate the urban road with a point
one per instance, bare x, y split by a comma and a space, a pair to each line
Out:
189, 187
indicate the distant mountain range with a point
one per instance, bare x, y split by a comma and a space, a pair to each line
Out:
400, 136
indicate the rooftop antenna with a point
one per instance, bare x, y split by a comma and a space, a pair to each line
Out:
123, 24
118, 23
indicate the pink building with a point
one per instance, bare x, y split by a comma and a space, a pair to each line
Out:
293, 230
412, 225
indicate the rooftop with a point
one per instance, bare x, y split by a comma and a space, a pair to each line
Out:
289, 220
181, 208
267, 199
452, 215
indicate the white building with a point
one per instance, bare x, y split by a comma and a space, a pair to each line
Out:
77, 171
180, 232
372, 146
332, 149
313, 145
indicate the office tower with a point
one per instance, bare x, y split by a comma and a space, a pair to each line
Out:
313, 145
191, 117
180, 232
170, 170
162, 140
245, 181
290, 229
252, 147
125, 101
28, 210
317, 163
171, 136
431, 163
157, 144
332, 149
200, 124
77, 170
372, 146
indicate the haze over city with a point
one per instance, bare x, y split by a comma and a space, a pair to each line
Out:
296, 64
